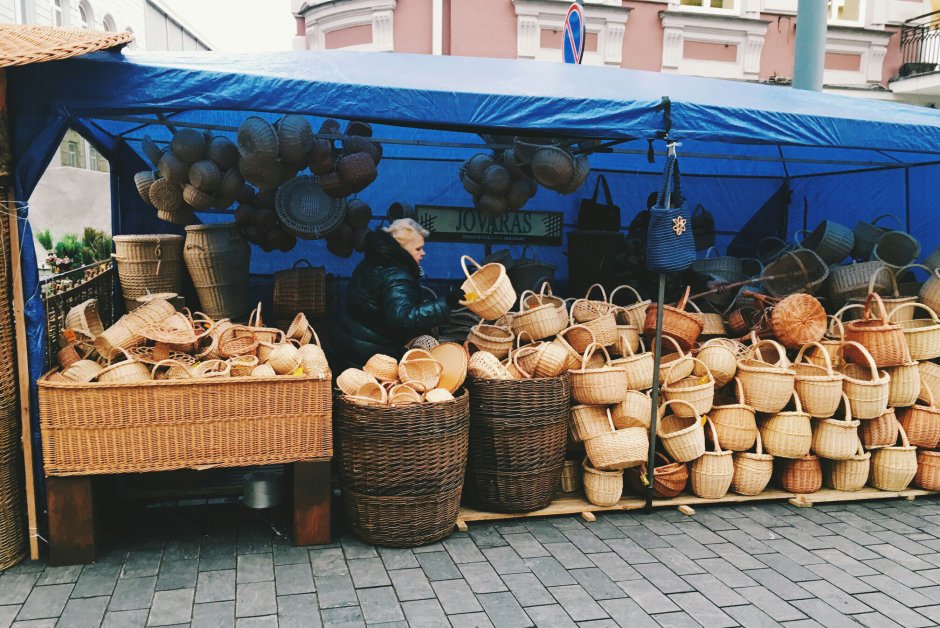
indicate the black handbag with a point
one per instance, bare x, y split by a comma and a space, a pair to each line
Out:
703, 228
594, 216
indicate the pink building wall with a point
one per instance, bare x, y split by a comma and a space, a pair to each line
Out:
893, 59
483, 28
352, 36
779, 46
413, 26
643, 38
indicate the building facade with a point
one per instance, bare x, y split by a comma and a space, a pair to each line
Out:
79, 178
749, 40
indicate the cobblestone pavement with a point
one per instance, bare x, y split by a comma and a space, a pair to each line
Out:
876, 564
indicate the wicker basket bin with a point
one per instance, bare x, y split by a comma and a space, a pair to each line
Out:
401, 521
850, 474
183, 423
149, 264
217, 256
893, 468
300, 288
752, 471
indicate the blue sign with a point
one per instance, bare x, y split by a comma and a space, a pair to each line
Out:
573, 37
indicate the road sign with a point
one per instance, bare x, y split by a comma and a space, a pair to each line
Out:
573, 36
466, 224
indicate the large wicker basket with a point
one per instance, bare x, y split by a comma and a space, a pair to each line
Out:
217, 256
183, 423
300, 288
149, 264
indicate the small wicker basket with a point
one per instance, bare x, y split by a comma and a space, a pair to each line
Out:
382, 367
903, 385
719, 356
684, 327
880, 432
819, 387
603, 385
788, 434
752, 471
893, 467
921, 423
615, 449
922, 335
850, 474
802, 475
735, 423
635, 313
884, 339
683, 437
602, 488
633, 411
928, 470
836, 439
767, 387
868, 397
698, 391
712, 473
488, 293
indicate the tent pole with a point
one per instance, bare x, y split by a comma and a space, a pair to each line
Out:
907, 198
654, 410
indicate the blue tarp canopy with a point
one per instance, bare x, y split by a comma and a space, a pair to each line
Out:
843, 158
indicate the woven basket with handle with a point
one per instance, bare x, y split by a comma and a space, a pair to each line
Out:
301, 288
698, 391
928, 470
893, 467
683, 327
606, 384
884, 339
819, 387
767, 386
639, 368
893, 299
836, 439
903, 385
881, 431
831, 241
719, 356
669, 478
922, 422
923, 334
683, 437
850, 474
867, 233
735, 423
615, 449
602, 488
633, 411
866, 387
635, 313
488, 293
752, 471
788, 433
712, 473
802, 475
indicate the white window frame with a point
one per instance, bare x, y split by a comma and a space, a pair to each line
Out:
327, 17
607, 19
708, 8
72, 147
86, 14
833, 12
108, 23
746, 34
58, 13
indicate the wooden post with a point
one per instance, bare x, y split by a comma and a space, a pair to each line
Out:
72, 533
311, 488
19, 323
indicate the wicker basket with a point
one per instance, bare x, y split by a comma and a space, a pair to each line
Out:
866, 388
795, 271
603, 330
752, 471
893, 468
831, 241
930, 292
903, 385
896, 248
788, 434
867, 233
605, 385
922, 335
669, 478
720, 358
683, 327
485, 365
301, 288
82, 371
850, 474
586, 309
727, 267
735, 423
894, 300
538, 322
526, 272
884, 340
802, 475
148, 264
928, 470
217, 256
546, 298
518, 434
635, 313
836, 439
797, 320
628, 340
698, 391
880, 432
420, 370
853, 280
675, 366
84, 317
819, 387
767, 387
683, 437
712, 473
588, 421
614, 449
639, 368
186, 423
488, 292
602, 488
571, 476
401, 521
922, 423
494, 339
829, 345
633, 411
382, 367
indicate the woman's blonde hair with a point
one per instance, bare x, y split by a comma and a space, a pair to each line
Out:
405, 229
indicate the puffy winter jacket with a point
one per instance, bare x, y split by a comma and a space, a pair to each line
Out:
385, 307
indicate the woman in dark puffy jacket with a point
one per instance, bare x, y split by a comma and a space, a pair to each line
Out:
385, 307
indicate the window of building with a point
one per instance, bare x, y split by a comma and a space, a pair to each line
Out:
847, 12
109, 24
132, 45
86, 15
71, 152
57, 12
709, 4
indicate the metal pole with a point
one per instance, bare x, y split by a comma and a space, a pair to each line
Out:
657, 354
810, 58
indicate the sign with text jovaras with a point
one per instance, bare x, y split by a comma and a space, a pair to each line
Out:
466, 224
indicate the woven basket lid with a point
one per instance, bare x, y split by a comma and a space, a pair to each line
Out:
295, 139
143, 181
306, 211
153, 152
552, 166
257, 138
223, 152
263, 171
166, 196
173, 168
189, 145
205, 175
197, 199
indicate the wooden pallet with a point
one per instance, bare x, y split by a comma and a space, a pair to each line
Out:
576, 504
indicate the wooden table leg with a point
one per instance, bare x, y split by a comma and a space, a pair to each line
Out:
72, 538
311, 502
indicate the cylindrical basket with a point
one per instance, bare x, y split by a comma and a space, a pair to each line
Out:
149, 264
217, 256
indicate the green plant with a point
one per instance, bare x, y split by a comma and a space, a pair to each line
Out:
45, 239
98, 242
73, 252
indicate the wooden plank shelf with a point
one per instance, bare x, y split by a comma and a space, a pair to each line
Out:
576, 504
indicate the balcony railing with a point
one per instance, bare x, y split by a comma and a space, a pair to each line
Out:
920, 44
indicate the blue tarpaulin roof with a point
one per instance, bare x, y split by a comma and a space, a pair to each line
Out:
845, 158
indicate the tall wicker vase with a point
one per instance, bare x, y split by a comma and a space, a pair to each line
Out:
217, 257
148, 264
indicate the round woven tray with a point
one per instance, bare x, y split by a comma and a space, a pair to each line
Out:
306, 210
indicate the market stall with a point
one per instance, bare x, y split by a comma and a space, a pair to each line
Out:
762, 161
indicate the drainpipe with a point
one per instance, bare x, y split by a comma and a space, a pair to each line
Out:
810, 58
437, 27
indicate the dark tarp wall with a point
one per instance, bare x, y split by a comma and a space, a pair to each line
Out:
740, 141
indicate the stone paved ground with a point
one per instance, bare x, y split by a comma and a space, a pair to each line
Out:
876, 564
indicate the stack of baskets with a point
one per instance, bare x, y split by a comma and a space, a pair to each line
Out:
148, 264
402, 469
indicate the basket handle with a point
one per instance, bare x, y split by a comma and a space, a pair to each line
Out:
628, 287
254, 319
796, 399
522, 298
848, 408
757, 249
759, 444
697, 309
921, 306
519, 339
591, 288
899, 271
892, 276
838, 323
421, 353
304, 260
866, 313
685, 299
545, 284
740, 389
896, 219
822, 350
169, 362
865, 352
796, 237
585, 327
696, 360
676, 345
661, 413
860, 451
711, 426
514, 358
838, 315
463, 265
767, 341
589, 353
904, 442
709, 251
924, 388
